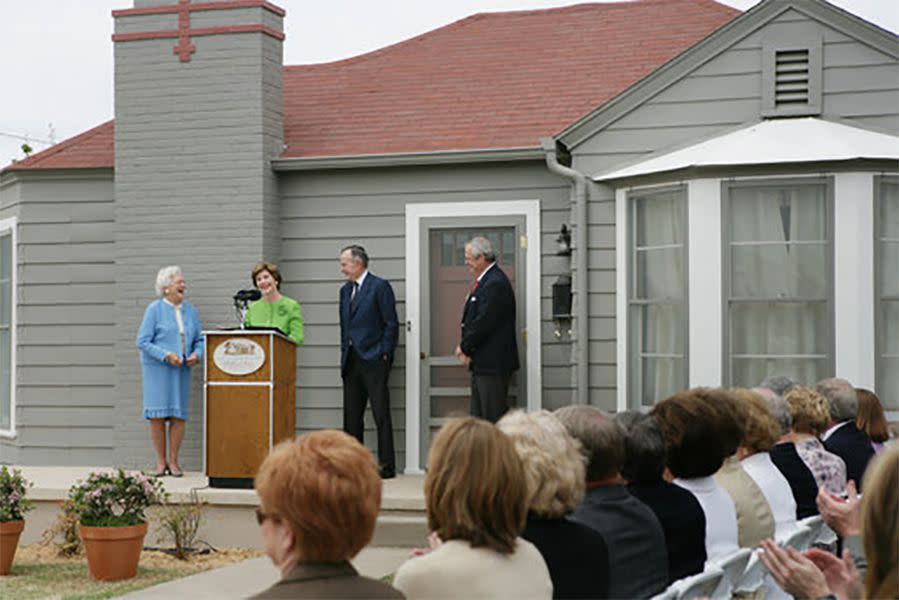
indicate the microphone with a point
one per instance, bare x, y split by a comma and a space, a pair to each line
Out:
247, 295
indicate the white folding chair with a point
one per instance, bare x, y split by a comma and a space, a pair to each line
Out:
701, 585
733, 566
815, 523
754, 575
800, 539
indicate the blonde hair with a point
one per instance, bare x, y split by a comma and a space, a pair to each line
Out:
325, 486
880, 525
475, 487
809, 410
554, 468
762, 430
164, 278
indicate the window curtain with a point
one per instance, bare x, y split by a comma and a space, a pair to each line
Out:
778, 283
888, 280
657, 323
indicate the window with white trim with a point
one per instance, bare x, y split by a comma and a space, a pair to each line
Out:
6, 325
657, 294
778, 280
886, 251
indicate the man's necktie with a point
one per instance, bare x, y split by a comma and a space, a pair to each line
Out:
354, 294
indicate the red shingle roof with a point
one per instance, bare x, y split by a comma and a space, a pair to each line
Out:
490, 81
92, 149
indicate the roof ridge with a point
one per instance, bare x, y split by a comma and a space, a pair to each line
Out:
33, 160
464, 21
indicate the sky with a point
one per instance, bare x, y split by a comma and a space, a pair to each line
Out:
56, 68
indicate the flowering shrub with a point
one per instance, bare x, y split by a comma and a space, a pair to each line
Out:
115, 499
13, 503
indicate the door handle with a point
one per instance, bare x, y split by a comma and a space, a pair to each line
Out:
423, 355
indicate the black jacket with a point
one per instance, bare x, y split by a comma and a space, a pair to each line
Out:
488, 325
575, 554
802, 482
854, 447
683, 522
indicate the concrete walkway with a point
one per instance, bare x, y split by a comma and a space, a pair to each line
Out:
254, 575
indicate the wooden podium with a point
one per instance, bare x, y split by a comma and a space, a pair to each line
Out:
249, 402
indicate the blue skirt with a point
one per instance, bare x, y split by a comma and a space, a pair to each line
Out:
166, 391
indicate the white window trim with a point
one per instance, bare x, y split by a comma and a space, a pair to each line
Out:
530, 209
10, 225
853, 278
854, 302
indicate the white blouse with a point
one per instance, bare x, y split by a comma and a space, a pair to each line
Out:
776, 489
720, 516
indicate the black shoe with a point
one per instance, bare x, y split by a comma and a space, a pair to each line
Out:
387, 473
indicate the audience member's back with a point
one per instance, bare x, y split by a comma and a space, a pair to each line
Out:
844, 438
798, 475
678, 511
576, 555
638, 559
696, 451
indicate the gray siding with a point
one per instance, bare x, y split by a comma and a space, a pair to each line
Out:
65, 298
324, 211
860, 85
193, 187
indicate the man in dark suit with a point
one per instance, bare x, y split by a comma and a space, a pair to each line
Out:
488, 346
843, 438
638, 557
368, 337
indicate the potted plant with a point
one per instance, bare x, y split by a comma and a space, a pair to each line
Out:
13, 506
112, 522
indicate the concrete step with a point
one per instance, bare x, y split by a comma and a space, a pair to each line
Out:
229, 518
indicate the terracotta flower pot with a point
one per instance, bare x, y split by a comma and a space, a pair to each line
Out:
9, 541
113, 552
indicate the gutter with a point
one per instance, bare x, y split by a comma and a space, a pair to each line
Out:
448, 157
579, 191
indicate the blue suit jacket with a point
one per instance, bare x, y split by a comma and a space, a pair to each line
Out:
370, 326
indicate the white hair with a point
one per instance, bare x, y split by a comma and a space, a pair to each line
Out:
481, 246
164, 278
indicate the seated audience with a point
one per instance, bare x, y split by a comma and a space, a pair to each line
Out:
843, 438
779, 384
319, 497
787, 460
818, 574
575, 554
870, 418
476, 499
678, 511
755, 522
695, 452
761, 434
811, 416
637, 557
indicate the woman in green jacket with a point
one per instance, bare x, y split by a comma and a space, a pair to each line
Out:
274, 310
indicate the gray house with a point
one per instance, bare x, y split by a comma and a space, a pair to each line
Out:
730, 182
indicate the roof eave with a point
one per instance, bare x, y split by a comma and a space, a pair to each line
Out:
404, 159
887, 165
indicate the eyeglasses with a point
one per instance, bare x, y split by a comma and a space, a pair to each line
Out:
261, 516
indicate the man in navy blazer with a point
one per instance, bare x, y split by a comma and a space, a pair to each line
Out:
368, 337
843, 438
488, 347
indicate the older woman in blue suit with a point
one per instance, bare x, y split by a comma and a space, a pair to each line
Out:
170, 343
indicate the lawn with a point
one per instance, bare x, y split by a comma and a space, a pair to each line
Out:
39, 573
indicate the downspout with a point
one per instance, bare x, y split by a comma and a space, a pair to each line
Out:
580, 190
